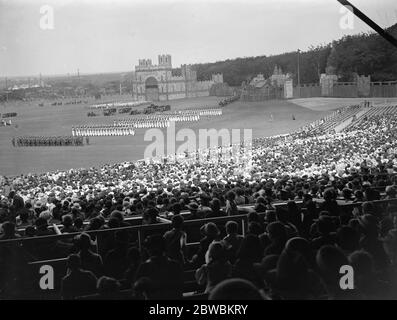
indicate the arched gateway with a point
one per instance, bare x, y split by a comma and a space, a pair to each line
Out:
151, 89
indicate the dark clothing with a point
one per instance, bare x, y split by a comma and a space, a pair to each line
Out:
331, 206
329, 239
246, 270
166, 276
116, 262
173, 244
92, 262
374, 246
78, 283
212, 273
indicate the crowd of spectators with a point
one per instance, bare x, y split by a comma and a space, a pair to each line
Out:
287, 252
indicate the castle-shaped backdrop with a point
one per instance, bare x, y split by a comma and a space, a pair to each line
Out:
156, 82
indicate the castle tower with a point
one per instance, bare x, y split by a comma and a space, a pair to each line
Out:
164, 60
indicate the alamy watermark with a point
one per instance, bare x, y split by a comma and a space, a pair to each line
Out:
223, 145
47, 17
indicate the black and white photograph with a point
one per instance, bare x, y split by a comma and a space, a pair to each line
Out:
176, 153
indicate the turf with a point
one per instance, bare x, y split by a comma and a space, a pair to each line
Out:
50, 120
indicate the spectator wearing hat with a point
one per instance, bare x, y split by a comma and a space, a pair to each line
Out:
165, 275
216, 268
194, 211
211, 233
77, 282
326, 229
150, 216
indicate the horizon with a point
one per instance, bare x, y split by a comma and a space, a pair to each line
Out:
89, 43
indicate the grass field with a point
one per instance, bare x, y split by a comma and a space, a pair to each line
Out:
53, 121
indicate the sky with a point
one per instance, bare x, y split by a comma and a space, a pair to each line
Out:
97, 36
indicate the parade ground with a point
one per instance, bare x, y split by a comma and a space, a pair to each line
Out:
265, 118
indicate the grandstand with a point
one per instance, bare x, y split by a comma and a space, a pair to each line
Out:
307, 194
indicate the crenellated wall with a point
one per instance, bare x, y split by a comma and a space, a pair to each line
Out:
164, 86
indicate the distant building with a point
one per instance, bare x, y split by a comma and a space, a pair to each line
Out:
278, 78
260, 88
157, 83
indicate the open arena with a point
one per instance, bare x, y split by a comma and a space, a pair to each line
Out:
48, 120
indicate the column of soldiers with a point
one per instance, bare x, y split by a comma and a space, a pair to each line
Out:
102, 130
47, 141
204, 112
125, 127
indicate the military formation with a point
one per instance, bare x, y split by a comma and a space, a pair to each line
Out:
102, 130
127, 126
48, 141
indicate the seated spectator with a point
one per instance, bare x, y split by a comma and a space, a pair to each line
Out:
294, 278
8, 231
216, 268
366, 281
329, 261
347, 239
42, 227
150, 216
115, 262
165, 274
232, 241
67, 222
194, 211
231, 205
249, 254
134, 261
89, 260
77, 282
277, 236
302, 246
330, 203
211, 233
326, 229
78, 224
215, 206
371, 243
175, 240
282, 217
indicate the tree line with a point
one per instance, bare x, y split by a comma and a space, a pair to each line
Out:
363, 54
